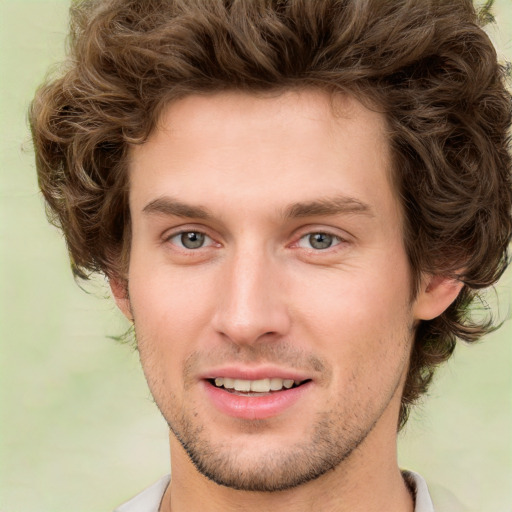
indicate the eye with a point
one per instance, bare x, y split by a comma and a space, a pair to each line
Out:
318, 241
190, 239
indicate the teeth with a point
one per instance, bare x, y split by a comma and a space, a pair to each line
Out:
242, 385
276, 384
256, 386
260, 386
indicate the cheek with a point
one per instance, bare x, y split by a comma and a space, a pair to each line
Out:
170, 296
355, 301
172, 310
360, 321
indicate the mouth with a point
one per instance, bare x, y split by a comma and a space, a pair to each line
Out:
259, 392
259, 387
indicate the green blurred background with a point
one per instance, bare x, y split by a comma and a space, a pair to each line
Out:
78, 429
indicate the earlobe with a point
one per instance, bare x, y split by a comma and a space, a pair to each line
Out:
435, 296
119, 289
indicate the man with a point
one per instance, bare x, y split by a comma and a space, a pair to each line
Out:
295, 204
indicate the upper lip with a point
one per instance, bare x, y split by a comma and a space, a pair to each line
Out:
255, 373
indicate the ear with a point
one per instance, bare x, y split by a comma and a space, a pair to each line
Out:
119, 289
435, 295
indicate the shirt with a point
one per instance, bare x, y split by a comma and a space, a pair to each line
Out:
149, 500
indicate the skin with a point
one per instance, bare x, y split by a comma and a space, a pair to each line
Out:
258, 175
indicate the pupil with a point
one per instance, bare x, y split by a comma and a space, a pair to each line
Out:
192, 240
320, 240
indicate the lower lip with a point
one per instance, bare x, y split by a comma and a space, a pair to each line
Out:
254, 407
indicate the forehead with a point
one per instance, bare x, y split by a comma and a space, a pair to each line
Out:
303, 143
293, 114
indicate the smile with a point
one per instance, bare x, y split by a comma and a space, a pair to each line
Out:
255, 399
267, 385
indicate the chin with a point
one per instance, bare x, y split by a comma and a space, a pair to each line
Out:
266, 462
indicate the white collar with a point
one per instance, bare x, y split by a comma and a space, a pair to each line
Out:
421, 495
148, 500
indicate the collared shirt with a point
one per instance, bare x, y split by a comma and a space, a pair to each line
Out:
149, 500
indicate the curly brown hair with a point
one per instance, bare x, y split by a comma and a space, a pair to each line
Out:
427, 64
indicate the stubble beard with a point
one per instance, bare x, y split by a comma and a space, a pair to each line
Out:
327, 447
333, 436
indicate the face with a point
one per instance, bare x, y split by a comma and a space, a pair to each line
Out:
268, 282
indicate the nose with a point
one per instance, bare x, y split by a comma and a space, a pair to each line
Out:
251, 305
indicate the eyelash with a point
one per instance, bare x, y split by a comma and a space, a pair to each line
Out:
191, 231
336, 239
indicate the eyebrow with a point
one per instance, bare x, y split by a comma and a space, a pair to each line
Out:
320, 207
328, 206
171, 206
